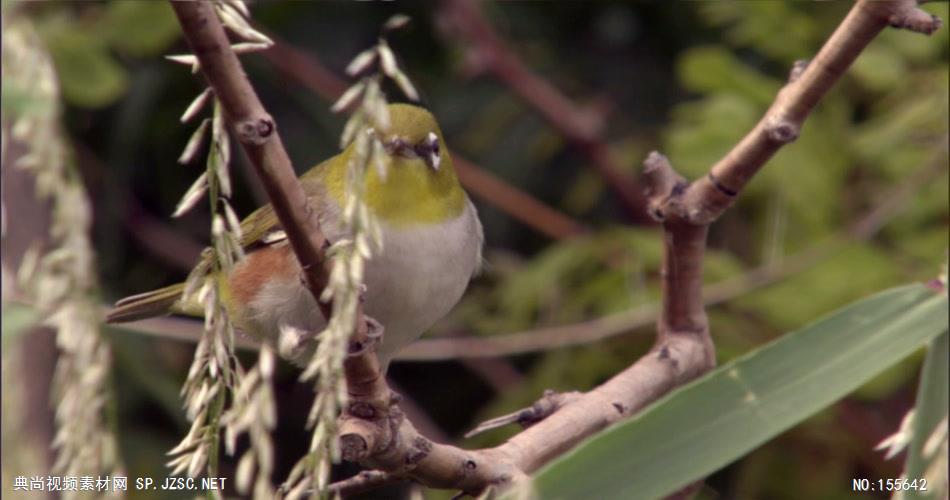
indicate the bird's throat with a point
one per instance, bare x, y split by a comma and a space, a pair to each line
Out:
411, 193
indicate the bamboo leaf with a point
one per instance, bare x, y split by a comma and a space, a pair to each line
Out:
929, 411
718, 418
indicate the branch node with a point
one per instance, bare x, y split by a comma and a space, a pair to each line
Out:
353, 447
362, 409
659, 176
781, 130
418, 451
255, 131
664, 355
394, 398
662, 183
798, 68
720, 187
916, 20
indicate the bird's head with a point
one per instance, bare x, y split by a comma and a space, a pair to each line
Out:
419, 185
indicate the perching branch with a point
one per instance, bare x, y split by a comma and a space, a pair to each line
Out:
684, 347
257, 133
367, 480
374, 431
892, 203
809, 81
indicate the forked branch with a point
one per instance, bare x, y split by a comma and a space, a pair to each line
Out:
374, 431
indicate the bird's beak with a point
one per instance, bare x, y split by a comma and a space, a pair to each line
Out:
433, 157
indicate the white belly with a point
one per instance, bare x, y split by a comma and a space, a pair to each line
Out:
419, 275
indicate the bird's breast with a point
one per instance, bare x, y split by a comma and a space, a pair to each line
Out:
420, 274
415, 279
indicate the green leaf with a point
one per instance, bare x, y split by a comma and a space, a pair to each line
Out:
930, 410
17, 318
712, 421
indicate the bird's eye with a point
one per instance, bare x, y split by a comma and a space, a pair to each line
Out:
433, 158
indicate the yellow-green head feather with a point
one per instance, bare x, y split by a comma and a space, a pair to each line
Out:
413, 191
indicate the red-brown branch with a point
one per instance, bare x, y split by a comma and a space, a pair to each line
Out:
306, 69
257, 133
486, 51
379, 436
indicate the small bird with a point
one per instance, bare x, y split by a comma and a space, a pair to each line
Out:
431, 247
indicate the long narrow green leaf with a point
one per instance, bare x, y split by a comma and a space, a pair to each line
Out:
714, 420
930, 409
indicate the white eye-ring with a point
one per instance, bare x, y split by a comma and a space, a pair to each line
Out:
434, 158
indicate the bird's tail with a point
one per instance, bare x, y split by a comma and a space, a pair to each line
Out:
146, 305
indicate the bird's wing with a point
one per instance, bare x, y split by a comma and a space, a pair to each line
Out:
262, 226
259, 228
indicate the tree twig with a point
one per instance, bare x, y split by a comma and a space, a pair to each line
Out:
257, 133
379, 436
366, 480
486, 51
555, 337
307, 71
516, 203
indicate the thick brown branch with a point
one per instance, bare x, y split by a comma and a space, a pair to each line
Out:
684, 347
543, 408
892, 203
378, 435
257, 133
366, 480
516, 203
710, 196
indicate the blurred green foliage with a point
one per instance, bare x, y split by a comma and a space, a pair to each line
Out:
689, 81
87, 43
